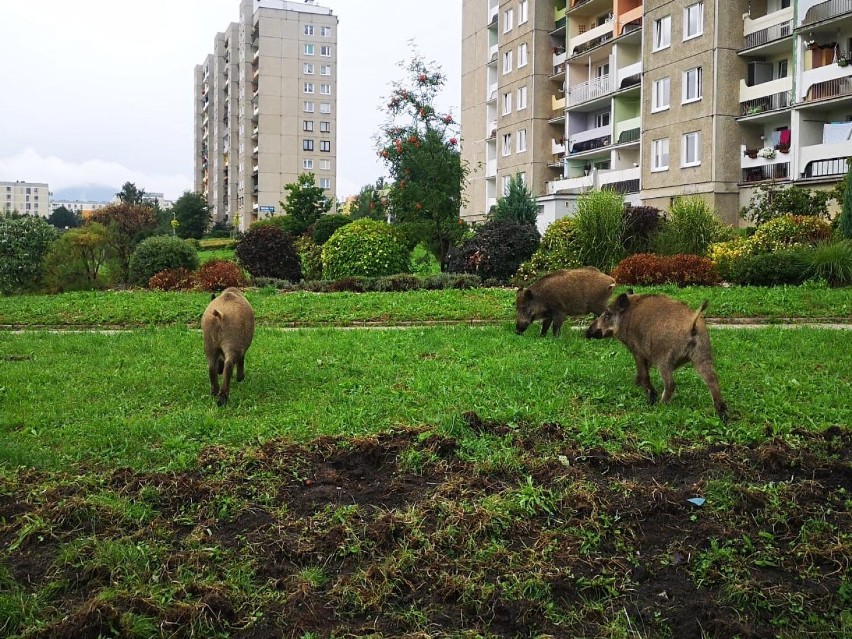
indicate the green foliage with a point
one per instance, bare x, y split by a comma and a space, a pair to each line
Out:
129, 224
75, 261
267, 251
367, 248
325, 227
193, 215
64, 218
771, 200
305, 201
159, 253
690, 228
24, 242
496, 251
310, 254
768, 269
831, 262
372, 202
844, 223
683, 270
130, 194
599, 229
286, 223
517, 205
423, 159
423, 261
558, 249
789, 231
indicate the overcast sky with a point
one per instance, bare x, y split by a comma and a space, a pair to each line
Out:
100, 92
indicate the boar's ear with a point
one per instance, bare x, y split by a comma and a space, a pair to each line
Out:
621, 302
212, 296
528, 294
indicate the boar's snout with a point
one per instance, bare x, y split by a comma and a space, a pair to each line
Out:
595, 330
521, 326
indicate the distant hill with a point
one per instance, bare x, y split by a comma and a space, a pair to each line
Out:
86, 193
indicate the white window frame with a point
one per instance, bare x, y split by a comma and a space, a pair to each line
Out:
698, 82
599, 118
662, 34
508, 20
308, 68
325, 32
325, 165
506, 180
523, 11
522, 55
309, 49
325, 89
308, 87
522, 140
507, 62
309, 30
660, 87
699, 7
308, 164
325, 69
325, 51
506, 149
507, 103
522, 99
308, 106
659, 154
325, 107
685, 161
325, 183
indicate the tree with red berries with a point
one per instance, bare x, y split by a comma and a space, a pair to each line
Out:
421, 149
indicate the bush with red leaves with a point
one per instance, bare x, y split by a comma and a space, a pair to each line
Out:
217, 275
681, 269
172, 279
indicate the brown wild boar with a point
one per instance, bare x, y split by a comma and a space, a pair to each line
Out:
559, 294
661, 332
228, 328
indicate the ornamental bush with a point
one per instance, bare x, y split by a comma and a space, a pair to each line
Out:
789, 231
831, 262
325, 227
726, 254
496, 250
24, 242
310, 255
769, 269
599, 226
641, 223
172, 279
159, 253
558, 249
690, 228
286, 223
267, 251
366, 248
217, 275
682, 269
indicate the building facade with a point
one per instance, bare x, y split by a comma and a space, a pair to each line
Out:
656, 99
266, 108
26, 198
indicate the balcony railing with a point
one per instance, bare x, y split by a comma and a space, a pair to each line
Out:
590, 145
767, 103
829, 89
590, 90
825, 10
623, 187
777, 171
826, 168
770, 34
631, 135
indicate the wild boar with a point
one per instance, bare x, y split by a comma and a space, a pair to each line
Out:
228, 329
664, 333
559, 294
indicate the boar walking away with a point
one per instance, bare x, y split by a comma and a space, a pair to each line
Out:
661, 332
228, 328
559, 294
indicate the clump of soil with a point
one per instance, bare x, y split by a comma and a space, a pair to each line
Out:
412, 533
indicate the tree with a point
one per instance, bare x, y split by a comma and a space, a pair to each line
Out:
517, 205
128, 224
423, 159
24, 241
305, 201
193, 215
75, 261
129, 194
63, 217
372, 202
845, 221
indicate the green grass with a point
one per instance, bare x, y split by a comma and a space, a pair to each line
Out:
140, 398
206, 255
144, 308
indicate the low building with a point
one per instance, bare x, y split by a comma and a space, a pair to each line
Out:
26, 198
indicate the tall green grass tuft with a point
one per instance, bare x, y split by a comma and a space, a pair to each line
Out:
831, 262
599, 228
690, 228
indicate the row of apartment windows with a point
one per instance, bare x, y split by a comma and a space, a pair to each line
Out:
308, 107
28, 190
325, 50
35, 197
690, 152
324, 32
509, 15
691, 89
693, 26
325, 69
324, 127
521, 139
324, 145
308, 164
308, 87
522, 58
522, 101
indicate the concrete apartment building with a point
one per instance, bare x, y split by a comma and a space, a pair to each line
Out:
655, 99
26, 198
266, 108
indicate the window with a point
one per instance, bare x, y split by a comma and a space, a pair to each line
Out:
325, 146
309, 68
523, 177
522, 140
308, 87
325, 69
522, 98
602, 70
507, 144
309, 49
325, 51
693, 20
325, 32
507, 62
523, 11
307, 145
508, 18
522, 55
308, 164
325, 107
782, 69
308, 106
507, 103
691, 149
506, 180
692, 85
308, 125
601, 119
325, 127
661, 94
309, 29
325, 183
660, 155
325, 89
662, 33
325, 165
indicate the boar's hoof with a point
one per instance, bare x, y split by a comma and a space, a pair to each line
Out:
223, 399
652, 396
722, 411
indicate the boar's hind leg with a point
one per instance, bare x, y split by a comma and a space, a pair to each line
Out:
667, 373
558, 321
545, 324
226, 381
643, 379
241, 362
213, 371
708, 374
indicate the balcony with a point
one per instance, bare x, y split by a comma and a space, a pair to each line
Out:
557, 146
491, 130
833, 168
628, 131
254, 133
628, 76
620, 180
492, 13
761, 31
822, 159
571, 185
590, 139
492, 51
820, 11
557, 105
492, 92
491, 168
629, 21
756, 168
766, 96
559, 20
559, 57
591, 90
592, 38
827, 82
255, 149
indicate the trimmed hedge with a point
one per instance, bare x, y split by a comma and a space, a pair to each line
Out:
160, 253
682, 269
217, 275
365, 248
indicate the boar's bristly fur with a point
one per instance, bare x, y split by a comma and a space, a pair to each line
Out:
559, 294
228, 329
664, 333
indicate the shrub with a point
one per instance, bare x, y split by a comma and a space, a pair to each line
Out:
217, 275
396, 283
366, 248
831, 262
789, 231
76, 260
325, 227
770, 201
558, 249
769, 269
286, 223
690, 228
518, 205
726, 254
24, 242
346, 284
172, 279
496, 251
310, 255
640, 225
267, 251
599, 228
683, 270
159, 253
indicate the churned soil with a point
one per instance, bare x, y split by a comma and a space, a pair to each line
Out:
501, 530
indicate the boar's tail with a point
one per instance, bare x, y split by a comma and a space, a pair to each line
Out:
697, 314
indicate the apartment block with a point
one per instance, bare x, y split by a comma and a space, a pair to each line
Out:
26, 198
656, 99
266, 108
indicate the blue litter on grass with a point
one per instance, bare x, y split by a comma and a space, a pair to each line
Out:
698, 501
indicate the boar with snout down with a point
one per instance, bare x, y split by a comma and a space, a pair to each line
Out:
228, 329
664, 333
559, 294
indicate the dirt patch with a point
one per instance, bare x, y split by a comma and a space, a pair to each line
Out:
407, 533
